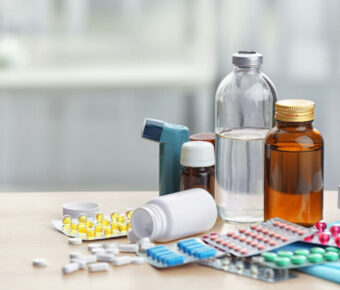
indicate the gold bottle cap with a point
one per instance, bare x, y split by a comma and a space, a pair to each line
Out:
294, 110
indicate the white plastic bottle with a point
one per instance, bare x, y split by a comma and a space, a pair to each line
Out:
175, 215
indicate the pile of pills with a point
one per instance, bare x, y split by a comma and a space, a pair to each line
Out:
115, 225
258, 238
300, 257
184, 252
325, 236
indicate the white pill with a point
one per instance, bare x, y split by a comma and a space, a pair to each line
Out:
143, 241
122, 260
104, 257
146, 246
75, 241
92, 246
74, 255
128, 248
132, 237
137, 260
114, 251
39, 262
70, 268
82, 263
96, 267
97, 250
89, 258
110, 245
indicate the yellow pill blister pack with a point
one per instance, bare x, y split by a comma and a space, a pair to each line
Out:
101, 227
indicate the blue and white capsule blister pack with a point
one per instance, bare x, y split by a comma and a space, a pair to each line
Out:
184, 252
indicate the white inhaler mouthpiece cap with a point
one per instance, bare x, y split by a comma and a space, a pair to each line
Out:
197, 154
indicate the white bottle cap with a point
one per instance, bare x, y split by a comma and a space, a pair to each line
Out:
197, 154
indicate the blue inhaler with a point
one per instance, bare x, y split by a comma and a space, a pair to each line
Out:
171, 137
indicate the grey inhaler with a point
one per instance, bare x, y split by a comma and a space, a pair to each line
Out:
170, 138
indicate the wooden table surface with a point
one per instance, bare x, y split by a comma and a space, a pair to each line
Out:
26, 233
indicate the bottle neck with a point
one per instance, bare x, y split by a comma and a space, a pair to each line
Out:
248, 69
295, 126
149, 221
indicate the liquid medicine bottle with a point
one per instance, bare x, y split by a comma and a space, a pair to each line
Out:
244, 115
294, 165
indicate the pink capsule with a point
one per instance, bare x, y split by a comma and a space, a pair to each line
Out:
225, 244
324, 238
337, 241
309, 238
289, 227
265, 231
254, 235
295, 230
254, 244
244, 251
231, 246
261, 247
242, 230
282, 225
253, 227
237, 248
213, 234
236, 236
285, 239
248, 241
219, 241
335, 230
230, 234
321, 226
213, 238
260, 229
272, 243
276, 223
260, 237
205, 237
272, 234
242, 238
266, 240
302, 232
278, 236
247, 233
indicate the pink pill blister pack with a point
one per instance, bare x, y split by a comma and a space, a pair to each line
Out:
258, 238
325, 235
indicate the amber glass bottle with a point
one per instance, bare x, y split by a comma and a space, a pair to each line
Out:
198, 159
293, 181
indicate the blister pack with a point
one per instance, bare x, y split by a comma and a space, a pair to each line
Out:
299, 258
325, 235
98, 228
247, 267
258, 238
183, 252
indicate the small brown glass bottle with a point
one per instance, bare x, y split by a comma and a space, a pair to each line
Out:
198, 159
207, 137
293, 170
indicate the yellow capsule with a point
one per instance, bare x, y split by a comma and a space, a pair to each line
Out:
114, 226
98, 228
73, 233
128, 213
74, 227
82, 229
121, 219
82, 219
122, 228
67, 220
66, 228
107, 232
99, 234
128, 226
100, 217
90, 234
114, 215
106, 222
89, 224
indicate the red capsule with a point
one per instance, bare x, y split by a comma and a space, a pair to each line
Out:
295, 230
248, 241
278, 236
213, 234
335, 230
337, 241
272, 234
244, 251
231, 246
285, 239
289, 227
213, 238
236, 236
225, 244
324, 238
260, 237
266, 240
254, 235
272, 243
321, 226
237, 248
282, 225
230, 234
265, 231
254, 244
253, 227
261, 247
205, 237
276, 223
242, 238
247, 233
260, 229
242, 230
309, 238
219, 241
302, 232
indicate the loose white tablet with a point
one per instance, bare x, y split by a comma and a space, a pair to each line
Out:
137, 260
39, 262
122, 260
128, 248
110, 245
92, 246
114, 251
97, 251
89, 258
70, 268
81, 263
74, 255
96, 267
75, 241
104, 257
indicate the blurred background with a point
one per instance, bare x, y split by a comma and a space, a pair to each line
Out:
77, 78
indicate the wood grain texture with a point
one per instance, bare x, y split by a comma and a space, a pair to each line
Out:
26, 233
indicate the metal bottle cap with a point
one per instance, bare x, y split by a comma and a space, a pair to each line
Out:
294, 110
247, 58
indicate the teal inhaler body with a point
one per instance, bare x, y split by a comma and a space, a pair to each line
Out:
171, 137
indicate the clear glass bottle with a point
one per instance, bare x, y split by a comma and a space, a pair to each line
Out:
244, 115
294, 165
